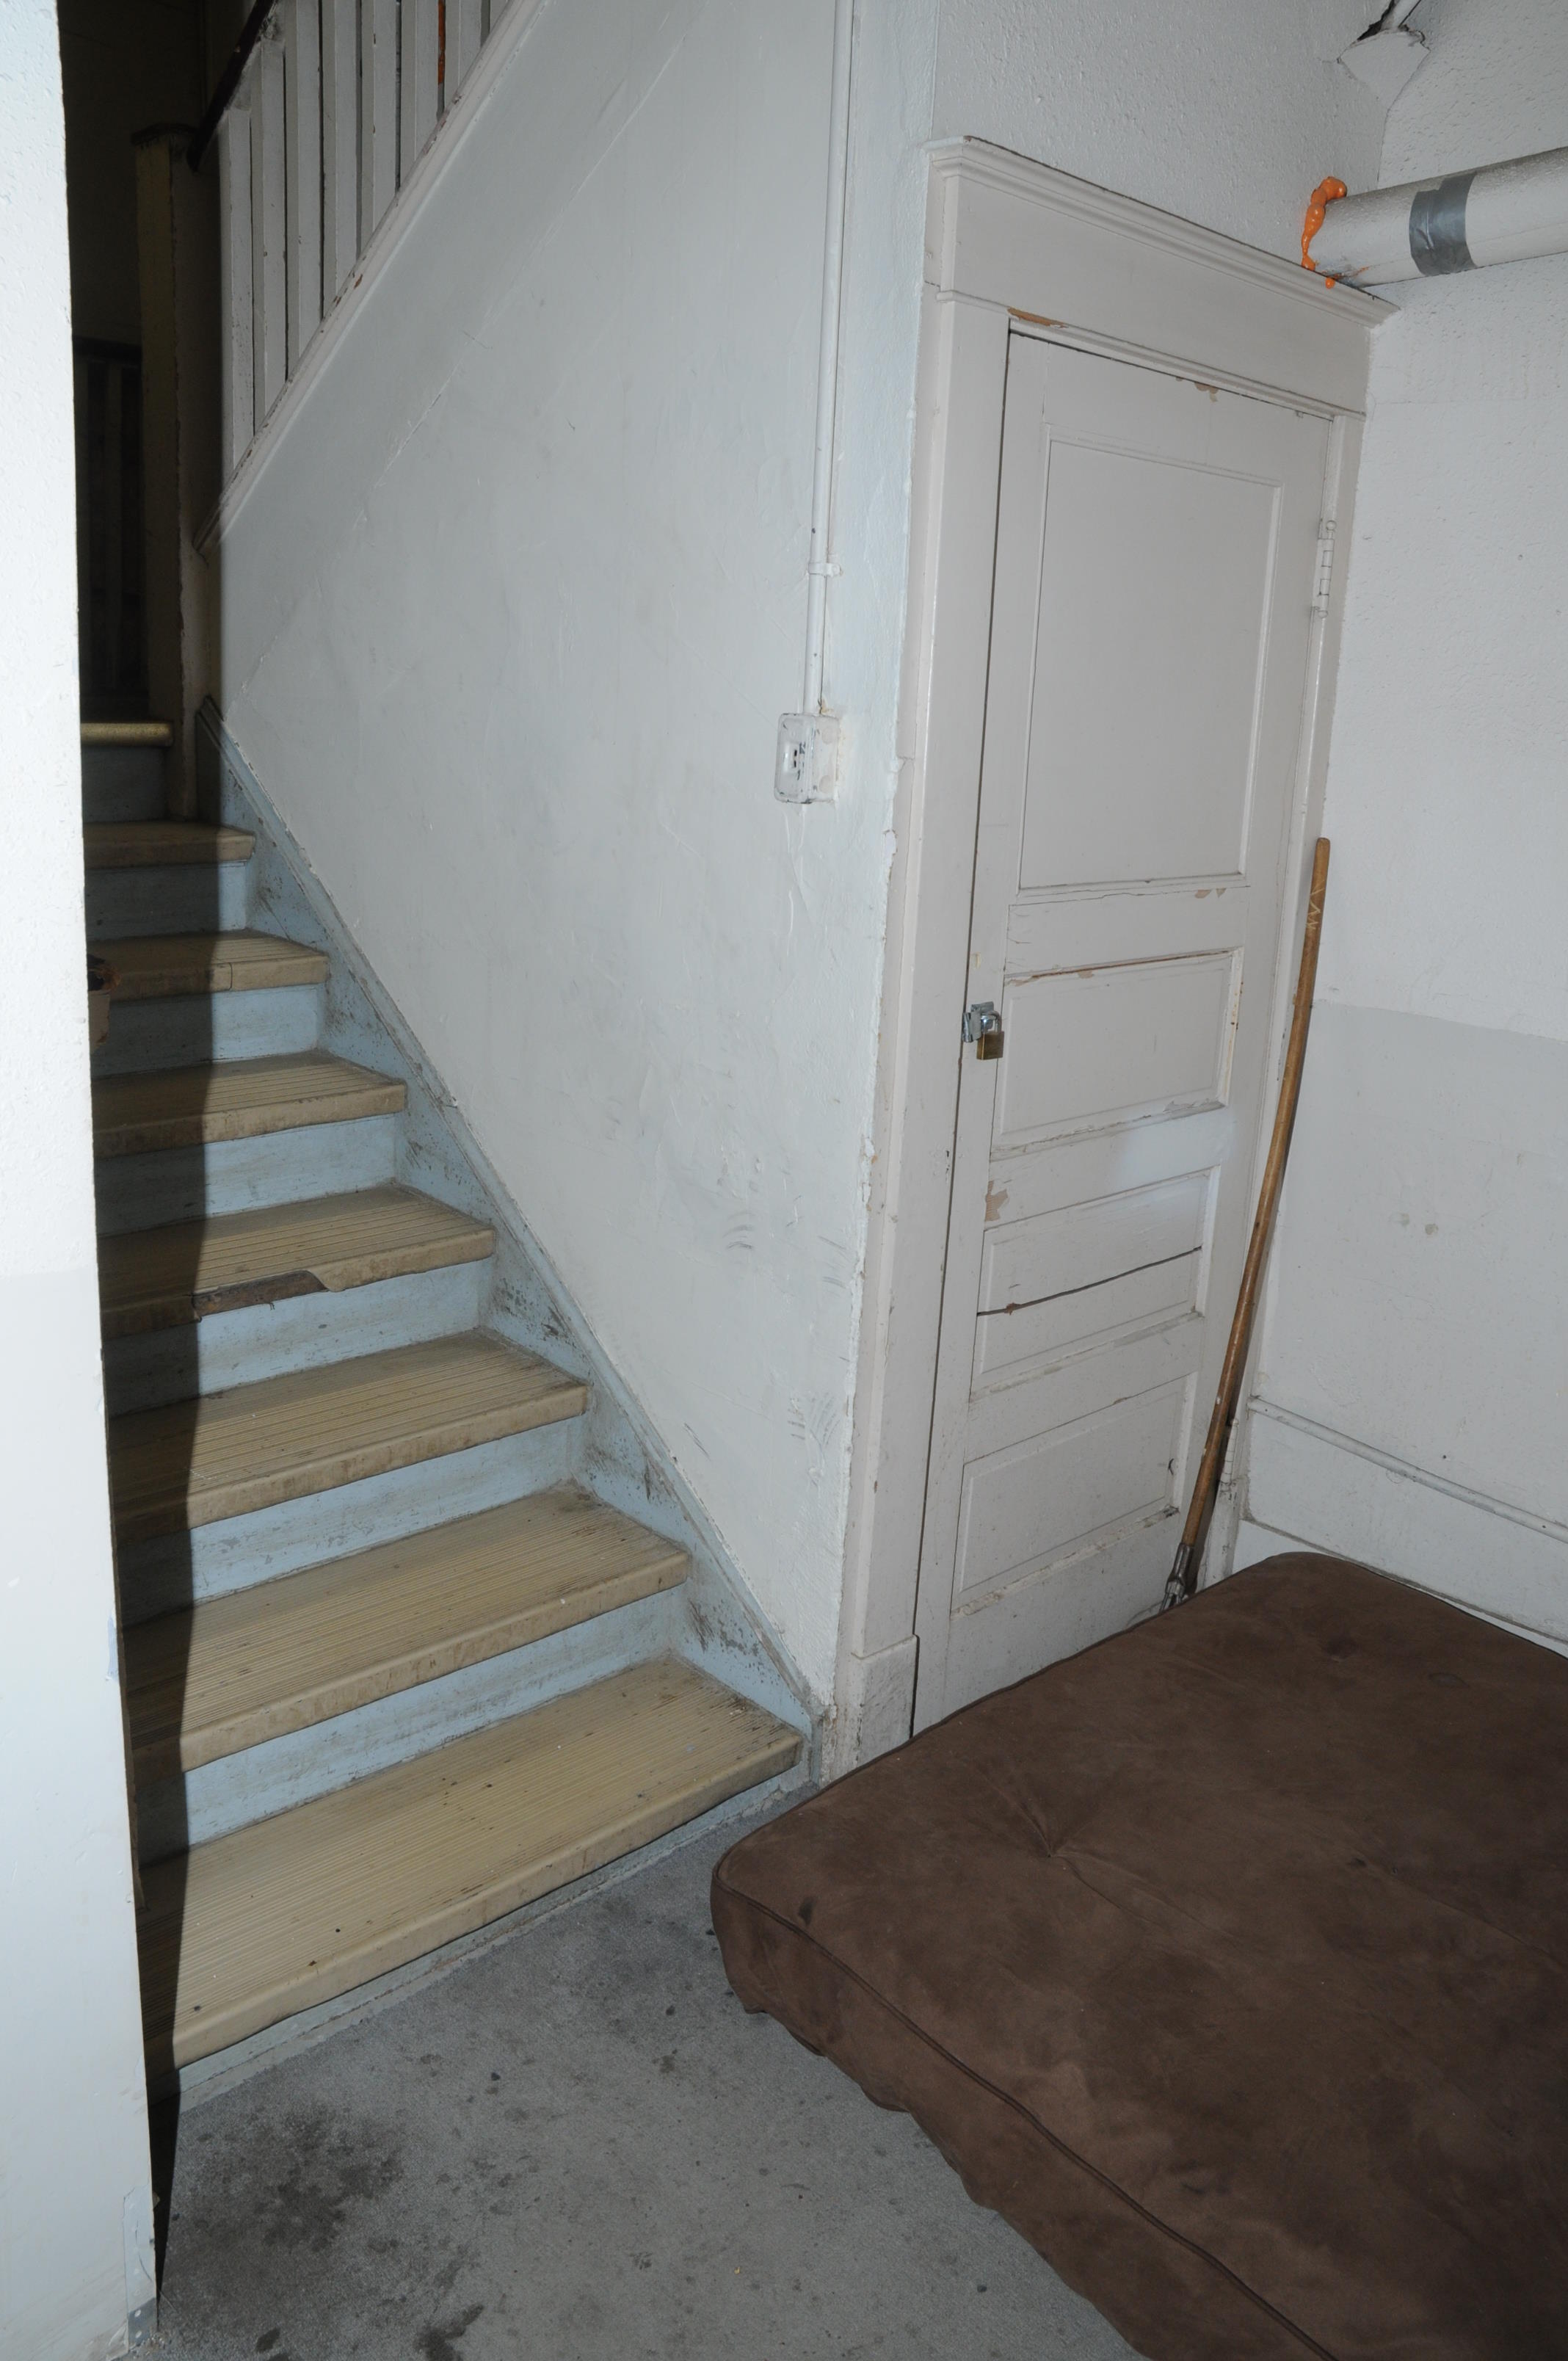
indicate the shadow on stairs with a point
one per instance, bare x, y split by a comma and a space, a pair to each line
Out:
393, 1670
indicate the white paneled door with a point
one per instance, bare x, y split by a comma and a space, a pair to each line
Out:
1151, 628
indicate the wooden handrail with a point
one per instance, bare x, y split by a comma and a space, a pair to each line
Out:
228, 82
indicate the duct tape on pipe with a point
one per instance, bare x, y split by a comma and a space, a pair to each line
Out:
1437, 227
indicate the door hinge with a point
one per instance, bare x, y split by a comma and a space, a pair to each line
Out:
1324, 578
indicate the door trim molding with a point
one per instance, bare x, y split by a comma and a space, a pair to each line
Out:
1014, 248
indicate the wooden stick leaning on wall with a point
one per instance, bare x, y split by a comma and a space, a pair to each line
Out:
1183, 1579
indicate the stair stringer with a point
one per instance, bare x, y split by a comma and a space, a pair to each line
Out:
718, 1624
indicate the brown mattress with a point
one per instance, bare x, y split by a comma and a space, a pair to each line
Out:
1227, 1961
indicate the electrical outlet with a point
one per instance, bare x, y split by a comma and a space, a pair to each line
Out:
807, 768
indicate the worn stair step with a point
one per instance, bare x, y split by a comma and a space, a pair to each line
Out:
193, 1463
162, 844
233, 1671
210, 1028
191, 1270
159, 967
239, 1098
294, 1910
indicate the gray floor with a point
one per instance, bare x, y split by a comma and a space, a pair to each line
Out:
579, 2145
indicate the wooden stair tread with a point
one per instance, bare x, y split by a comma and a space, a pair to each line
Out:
189, 1106
155, 967
127, 734
158, 843
191, 1462
231, 1671
294, 1910
165, 1278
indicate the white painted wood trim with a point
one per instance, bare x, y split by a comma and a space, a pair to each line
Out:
268, 227
302, 165
1331, 1491
417, 80
236, 291
378, 27
1074, 258
340, 187
1012, 246
462, 112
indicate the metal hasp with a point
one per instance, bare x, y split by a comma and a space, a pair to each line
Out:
982, 1025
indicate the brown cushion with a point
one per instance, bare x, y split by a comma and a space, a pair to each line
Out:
1227, 1961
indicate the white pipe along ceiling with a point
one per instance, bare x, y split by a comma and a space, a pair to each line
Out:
1456, 221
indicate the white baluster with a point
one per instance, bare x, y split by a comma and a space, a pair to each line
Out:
268, 222
377, 112
420, 47
302, 72
340, 145
237, 360
465, 34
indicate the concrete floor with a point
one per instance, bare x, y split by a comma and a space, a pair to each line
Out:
576, 2145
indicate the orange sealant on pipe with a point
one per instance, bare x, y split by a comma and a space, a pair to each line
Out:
1326, 194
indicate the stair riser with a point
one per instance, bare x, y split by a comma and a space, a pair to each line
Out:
235, 1176
145, 1034
122, 783
155, 1577
195, 899
282, 1772
304, 1332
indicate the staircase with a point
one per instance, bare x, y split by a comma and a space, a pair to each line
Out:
393, 1668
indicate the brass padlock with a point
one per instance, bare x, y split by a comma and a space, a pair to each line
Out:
982, 1025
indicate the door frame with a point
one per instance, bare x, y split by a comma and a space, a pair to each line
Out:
1014, 247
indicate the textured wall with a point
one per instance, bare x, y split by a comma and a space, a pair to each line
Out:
506, 632
72, 2112
1228, 112
1423, 1259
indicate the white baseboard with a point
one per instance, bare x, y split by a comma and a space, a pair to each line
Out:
1310, 1488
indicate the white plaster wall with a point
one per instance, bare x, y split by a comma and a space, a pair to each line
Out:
506, 632
72, 2109
509, 620
1228, 112
1422, 1264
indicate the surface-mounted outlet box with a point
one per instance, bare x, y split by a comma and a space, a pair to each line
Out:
807, 768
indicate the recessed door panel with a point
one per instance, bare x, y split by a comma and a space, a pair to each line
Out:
1148, 661
1115, 1044
1025, 1510
1150, 632
1016, 1342
1053, 1282
1078, 1246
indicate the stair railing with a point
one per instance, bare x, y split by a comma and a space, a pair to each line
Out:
318, 118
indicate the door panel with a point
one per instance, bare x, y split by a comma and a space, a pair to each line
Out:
1148, 668
1054, 1494
1084, 1271
1111, 1044
1150, 634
